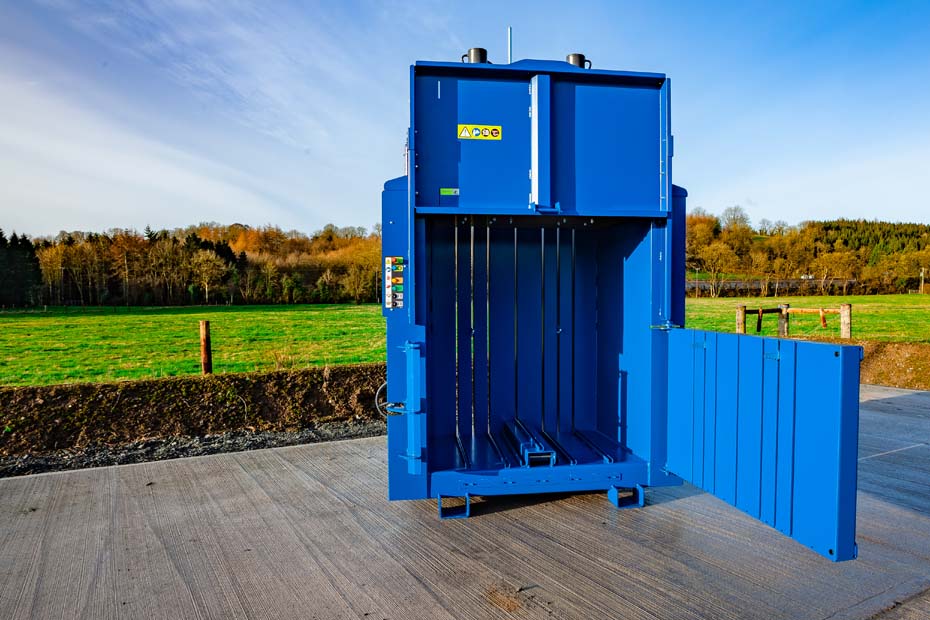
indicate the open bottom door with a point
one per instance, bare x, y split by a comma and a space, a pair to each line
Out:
771, 427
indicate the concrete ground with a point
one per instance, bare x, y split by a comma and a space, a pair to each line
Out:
305, 532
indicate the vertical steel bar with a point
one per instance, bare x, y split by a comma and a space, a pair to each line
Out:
574, 329
558, 329
542, 329
455, 306
487, 312
471, 319
516, 332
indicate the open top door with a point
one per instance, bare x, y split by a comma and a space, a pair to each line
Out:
771, 427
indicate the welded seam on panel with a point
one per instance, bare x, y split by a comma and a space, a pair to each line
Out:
777, 428
716, 412
694, 404
761, 428
455, 296
471, 320
736, 433
794, 432
487, 317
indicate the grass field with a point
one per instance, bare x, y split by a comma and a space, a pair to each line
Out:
102, 344
883, 318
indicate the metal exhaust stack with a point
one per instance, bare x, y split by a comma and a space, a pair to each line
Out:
476, 55
578, 60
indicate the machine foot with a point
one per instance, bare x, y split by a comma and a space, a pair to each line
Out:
636, 500
461, 511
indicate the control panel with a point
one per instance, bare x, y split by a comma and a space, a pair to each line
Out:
394, 282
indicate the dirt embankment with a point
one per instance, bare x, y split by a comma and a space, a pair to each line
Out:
897, 364
78, 416
81, 425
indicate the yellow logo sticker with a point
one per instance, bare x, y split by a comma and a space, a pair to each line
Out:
480, 132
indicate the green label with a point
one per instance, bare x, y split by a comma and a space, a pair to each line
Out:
448, 191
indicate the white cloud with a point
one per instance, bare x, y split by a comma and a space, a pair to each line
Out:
66, 167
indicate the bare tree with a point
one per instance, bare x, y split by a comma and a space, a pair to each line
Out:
208, 269
718, 258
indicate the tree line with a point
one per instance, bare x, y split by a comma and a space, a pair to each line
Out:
204, 264
214, 263
817, 257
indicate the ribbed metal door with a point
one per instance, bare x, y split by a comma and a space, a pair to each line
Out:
769, 426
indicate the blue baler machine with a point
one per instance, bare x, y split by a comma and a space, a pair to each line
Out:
534, 294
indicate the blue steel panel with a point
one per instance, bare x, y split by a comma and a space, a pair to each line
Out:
639, 299
463, 327
826, 431
549, 303
606, 148
676, 268
407, 478
433, 116
658, 240
489, 174
541, 150
531, 66
682, 347
698, 415
725, 424
784, 440
796, 421
585, 390
529, 324
502, 327
494, 173
665, 145
610, 323
480, 293
441, 344
565, 330
770, 372
709, 453
749, 424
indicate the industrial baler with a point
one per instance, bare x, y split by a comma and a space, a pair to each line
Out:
533, 288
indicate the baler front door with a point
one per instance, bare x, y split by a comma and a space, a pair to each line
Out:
771, 427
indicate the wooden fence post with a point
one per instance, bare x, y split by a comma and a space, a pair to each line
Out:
846, 321
206, 353
740, 319
784, 321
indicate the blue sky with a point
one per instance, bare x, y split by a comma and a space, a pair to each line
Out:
123, 114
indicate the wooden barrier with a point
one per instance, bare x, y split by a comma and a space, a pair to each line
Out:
784, 312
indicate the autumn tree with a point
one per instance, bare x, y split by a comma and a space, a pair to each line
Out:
717, 259
208, 270
701, 229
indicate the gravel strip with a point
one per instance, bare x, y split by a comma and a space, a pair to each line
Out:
160, 449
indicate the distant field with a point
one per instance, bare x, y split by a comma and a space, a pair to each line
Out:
883, 318
104, 344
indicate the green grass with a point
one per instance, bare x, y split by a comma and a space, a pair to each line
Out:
887, 318
104, 344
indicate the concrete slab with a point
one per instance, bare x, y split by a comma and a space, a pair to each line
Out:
305, 532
